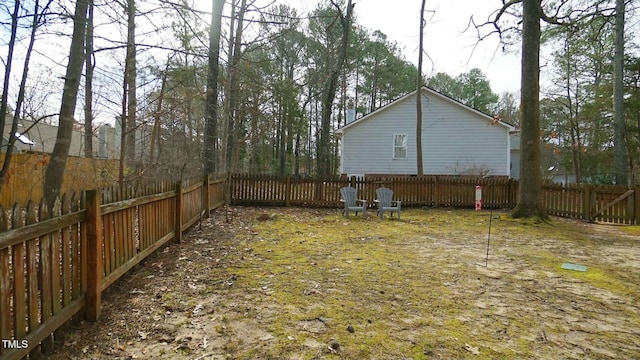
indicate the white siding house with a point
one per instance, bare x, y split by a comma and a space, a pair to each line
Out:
456, 139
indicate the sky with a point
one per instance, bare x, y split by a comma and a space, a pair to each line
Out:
448, 45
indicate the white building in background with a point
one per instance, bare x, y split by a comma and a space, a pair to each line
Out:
41, 137
456, 140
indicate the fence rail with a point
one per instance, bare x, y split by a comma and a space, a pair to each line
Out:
55, 265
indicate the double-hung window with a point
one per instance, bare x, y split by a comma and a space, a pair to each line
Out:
399, 146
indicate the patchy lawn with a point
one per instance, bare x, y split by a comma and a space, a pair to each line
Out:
288, 283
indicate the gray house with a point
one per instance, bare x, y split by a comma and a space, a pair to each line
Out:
456, 140
41, 137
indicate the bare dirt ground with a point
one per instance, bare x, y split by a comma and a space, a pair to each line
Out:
288, 283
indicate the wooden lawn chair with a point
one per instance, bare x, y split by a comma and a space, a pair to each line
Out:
351, 201
386, 203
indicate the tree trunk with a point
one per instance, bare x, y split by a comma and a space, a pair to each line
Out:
210, 151
7, 67
122, 164
155, 131
21, 91
131, 73
420, 167
88, 87
323, 148
234, 88
530, 189
621, 161
55, 170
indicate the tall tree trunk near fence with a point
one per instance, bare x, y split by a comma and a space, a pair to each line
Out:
55, 169
8, 63
122, 164
530, 189
234, 87
226, 105
420, 167
155, 131
88, 86
130, 78
323, 147
210, 151
621, 161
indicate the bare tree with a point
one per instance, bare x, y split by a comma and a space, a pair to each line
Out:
562, 13
419, 95
37, 17
9, 63
88, 86
621, 160
55, 169
530, 189
329, 93
211, 147
235, 54
155, 132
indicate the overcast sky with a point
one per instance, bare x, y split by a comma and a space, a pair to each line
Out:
448, 45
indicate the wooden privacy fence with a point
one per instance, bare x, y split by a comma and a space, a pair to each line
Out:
449, 191
26, 173
56, 265
610, 204
613, 204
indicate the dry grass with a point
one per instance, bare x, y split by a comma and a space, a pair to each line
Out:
309, 284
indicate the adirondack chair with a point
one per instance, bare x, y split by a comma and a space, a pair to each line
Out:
386, 203
351, 201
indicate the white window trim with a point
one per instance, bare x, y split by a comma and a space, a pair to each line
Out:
406, 147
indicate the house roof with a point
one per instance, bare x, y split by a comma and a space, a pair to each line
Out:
434, 93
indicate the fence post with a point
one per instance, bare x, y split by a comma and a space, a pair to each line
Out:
586, 200
636, 206
510, 202
287, 192
206, 196
93, 221
436, 192
178, 225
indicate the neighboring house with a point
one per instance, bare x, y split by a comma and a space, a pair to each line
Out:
456, 140
41, 137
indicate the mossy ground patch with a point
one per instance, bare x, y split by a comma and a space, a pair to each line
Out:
295, 282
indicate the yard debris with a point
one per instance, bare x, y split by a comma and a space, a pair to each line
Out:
266, 217
334, 346
350, 329
574, 267
197, 309
472, 349
267, 337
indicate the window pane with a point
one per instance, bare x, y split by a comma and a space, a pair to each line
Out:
400, 146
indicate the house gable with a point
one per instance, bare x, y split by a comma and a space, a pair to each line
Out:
456, 139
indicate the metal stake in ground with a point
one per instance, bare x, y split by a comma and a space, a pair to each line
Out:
486, 259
